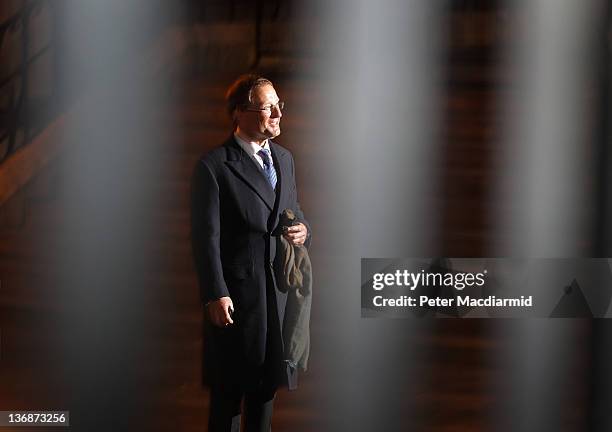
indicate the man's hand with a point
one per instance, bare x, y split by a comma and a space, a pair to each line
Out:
296, 234
218, 311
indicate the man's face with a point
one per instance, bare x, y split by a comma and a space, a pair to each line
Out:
260, 125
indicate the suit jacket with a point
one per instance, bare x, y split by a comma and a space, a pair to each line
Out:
235, 214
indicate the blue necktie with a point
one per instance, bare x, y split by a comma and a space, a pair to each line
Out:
268, 167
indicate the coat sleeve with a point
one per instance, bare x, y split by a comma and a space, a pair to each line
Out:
205, 233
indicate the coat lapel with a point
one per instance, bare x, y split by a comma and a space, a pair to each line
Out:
281, 163
244, 167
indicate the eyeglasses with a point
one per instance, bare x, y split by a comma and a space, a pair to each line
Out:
268, 108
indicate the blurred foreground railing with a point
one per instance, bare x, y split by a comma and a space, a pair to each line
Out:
21, 115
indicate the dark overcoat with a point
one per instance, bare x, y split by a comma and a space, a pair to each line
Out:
235, 215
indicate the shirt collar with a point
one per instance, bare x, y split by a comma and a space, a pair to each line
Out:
251, 148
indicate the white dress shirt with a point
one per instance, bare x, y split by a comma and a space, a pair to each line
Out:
252, 149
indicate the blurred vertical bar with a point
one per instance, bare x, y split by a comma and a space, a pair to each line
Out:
600, 397
547, 204
602, 231
381, 76
112, 172
545, 190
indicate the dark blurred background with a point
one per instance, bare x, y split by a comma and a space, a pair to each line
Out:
458, 128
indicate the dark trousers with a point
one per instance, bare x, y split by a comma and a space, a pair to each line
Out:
257, 387
253, 391
225, 408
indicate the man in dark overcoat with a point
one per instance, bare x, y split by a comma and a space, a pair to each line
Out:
238, 191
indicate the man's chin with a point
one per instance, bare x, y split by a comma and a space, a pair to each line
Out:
273, 133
